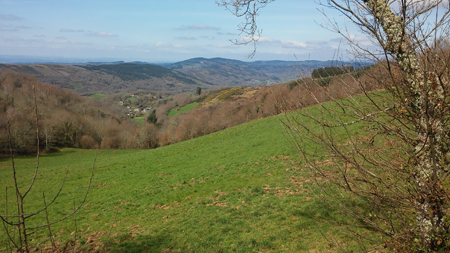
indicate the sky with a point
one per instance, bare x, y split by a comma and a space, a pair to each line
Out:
162, 30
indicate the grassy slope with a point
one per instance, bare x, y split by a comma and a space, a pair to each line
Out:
139, 119
233, 190
97, 96
183, 110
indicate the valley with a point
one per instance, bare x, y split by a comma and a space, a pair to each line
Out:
141, 126
184, 76
214, 165
240, 189
255, 168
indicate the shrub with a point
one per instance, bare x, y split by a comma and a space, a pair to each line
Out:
87, 142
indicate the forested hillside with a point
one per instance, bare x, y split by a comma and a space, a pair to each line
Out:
69, 120
65, 119
180, 77
226, 72
110, 78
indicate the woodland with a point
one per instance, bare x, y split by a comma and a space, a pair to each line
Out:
67, 119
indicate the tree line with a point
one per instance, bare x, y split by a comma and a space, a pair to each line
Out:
69, 120
65, 118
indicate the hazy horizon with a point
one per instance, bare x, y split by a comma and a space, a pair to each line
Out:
25, 59
163, 31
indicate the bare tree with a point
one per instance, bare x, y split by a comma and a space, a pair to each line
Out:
390, 149
247, 9
20, 220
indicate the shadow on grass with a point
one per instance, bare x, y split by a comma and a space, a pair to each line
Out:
139, 243
54, 153
58, 153
322, 214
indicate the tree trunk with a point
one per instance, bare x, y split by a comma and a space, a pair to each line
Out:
427, 97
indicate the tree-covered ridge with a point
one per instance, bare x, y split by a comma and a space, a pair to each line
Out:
109, 78
331, 71
227, 72
133, 71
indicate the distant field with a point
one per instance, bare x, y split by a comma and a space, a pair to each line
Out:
139, 119
237, 190
131, 99
183, 109
97, 96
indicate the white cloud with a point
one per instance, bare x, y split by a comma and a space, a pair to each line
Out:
186, 38
10, 17
228, 34
169, 45
292, 44
230, 46
102, 34
263, 39
366, 43
357, 38
7, 28
317, 42
10, 28
23, 27
281, 43
65, 30
163, 44
199, 27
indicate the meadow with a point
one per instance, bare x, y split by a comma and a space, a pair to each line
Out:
139, 119
97, 96
242, 189
182, 110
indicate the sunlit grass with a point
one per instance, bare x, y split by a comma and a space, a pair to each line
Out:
139, 119
97, 96
183, 109
242, 189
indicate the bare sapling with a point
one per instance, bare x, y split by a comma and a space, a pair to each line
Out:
19, 221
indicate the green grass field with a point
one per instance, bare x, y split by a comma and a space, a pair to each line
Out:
139, 119
183, 109
131, 99
97, 96
240, 190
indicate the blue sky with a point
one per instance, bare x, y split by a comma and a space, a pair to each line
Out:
160, 30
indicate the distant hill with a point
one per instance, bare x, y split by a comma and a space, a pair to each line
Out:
184, 76
108, 78
226, 72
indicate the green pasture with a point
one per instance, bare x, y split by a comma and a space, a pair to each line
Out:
242, 189
183, 109
139, 119
97, 96
131, 99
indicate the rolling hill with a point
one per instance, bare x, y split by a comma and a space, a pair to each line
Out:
178, 77
226, 72
110, 78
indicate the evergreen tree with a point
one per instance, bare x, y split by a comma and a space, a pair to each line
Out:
151, 119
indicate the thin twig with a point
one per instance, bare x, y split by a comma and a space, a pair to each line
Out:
110, 229
4, 223
49, 229
75, 232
